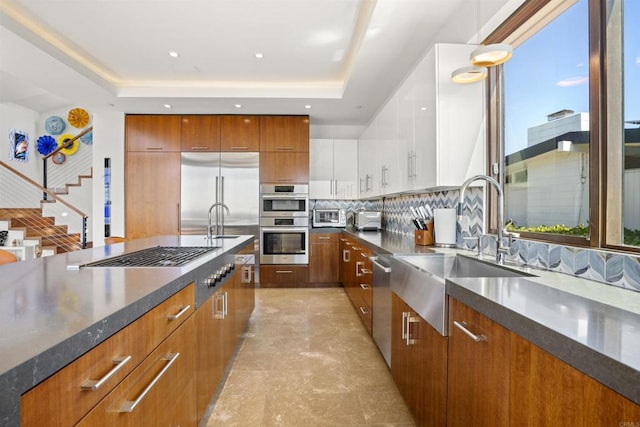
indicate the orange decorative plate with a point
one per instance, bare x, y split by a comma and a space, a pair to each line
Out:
78, 117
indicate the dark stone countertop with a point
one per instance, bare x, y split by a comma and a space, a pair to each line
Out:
53, 311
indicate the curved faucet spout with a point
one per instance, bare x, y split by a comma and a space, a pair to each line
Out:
499, 250
225, 207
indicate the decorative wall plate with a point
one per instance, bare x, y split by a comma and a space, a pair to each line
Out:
46, 144
54, 125
87, 138
64, 138
78, 117
58, 158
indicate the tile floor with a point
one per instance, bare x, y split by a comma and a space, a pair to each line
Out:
306, 360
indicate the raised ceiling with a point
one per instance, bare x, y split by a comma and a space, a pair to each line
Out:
343, 58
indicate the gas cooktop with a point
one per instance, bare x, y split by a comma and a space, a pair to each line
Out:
159, 256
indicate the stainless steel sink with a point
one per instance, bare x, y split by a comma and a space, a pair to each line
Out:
420, 281
448, 266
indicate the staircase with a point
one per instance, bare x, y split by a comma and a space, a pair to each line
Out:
37, 229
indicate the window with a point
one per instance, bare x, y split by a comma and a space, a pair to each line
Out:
546, 127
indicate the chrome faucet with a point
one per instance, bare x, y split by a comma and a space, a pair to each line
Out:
209, 234
502, 230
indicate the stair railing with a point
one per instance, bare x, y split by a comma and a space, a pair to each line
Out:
19, 191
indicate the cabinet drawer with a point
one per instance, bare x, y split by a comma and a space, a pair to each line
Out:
283, 276
62, 400
324, 238
149, 394
364, 312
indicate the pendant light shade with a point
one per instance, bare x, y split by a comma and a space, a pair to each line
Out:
466, 75
492, 54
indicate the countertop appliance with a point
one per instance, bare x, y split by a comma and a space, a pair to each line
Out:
329, 218
229, 178
381, 307
368, 220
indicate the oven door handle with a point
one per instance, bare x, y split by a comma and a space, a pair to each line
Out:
304, 230
284, 196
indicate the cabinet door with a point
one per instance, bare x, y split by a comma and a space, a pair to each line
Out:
240, 133
200, 133
154, 386
152, 199
284, 168
425, 165
284, 133
478, 383
321, 169
152, 132
546, 391
323, 258
345, 168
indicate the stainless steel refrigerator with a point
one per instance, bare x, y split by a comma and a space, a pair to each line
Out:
230, 178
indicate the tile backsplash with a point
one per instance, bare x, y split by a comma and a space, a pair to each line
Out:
617, 269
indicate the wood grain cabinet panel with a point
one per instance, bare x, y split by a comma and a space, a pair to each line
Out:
240, 133
61, 399
419, 364
478, 382
149, 394
200, 133
284, 133
152, 194
283, 276
324, 258
284, 168
546, 391
152, 132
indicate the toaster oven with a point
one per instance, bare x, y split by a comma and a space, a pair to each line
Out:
329, 218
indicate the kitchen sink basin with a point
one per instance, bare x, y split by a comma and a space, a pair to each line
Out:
448, 266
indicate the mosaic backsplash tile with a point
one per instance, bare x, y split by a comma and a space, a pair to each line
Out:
615, 269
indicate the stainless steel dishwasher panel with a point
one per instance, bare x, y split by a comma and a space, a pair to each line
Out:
381, 329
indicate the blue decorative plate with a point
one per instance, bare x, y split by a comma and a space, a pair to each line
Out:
87, 138
54, 125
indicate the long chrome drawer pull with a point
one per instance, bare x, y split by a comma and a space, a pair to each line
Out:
284, 271
363, 310
384, 268
129, 406
473, 336
364, 286
178, 314
365, 271
118, 363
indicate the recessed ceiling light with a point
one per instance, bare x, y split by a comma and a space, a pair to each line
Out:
174, 54
238, 105
307, 107
167, 105
259, 55
423, 108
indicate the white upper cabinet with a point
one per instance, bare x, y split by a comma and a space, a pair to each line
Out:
333, 168
431, 133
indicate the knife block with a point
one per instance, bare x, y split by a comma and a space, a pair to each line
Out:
424, 237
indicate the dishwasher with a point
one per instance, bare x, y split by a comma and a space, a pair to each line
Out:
381, 306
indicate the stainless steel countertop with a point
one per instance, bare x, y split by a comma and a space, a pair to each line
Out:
52, 311
592, 326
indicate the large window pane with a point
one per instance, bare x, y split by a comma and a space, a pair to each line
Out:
546, 104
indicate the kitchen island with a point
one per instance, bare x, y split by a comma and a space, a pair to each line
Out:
55, 309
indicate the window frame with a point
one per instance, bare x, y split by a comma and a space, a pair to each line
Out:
513, 27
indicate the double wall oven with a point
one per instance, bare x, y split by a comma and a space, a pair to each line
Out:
284, 224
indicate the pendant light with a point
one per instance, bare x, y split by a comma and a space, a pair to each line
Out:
491, 55
467, 75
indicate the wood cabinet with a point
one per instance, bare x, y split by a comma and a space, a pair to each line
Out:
150, 132
65, 397
200, 133
284, 168
152, 195
333, 169
419, 364
478, 372
357, 278
283, 276
240, 133
546, 391
284, 133
323, 258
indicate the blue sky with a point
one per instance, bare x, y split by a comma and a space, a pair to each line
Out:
536, 86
